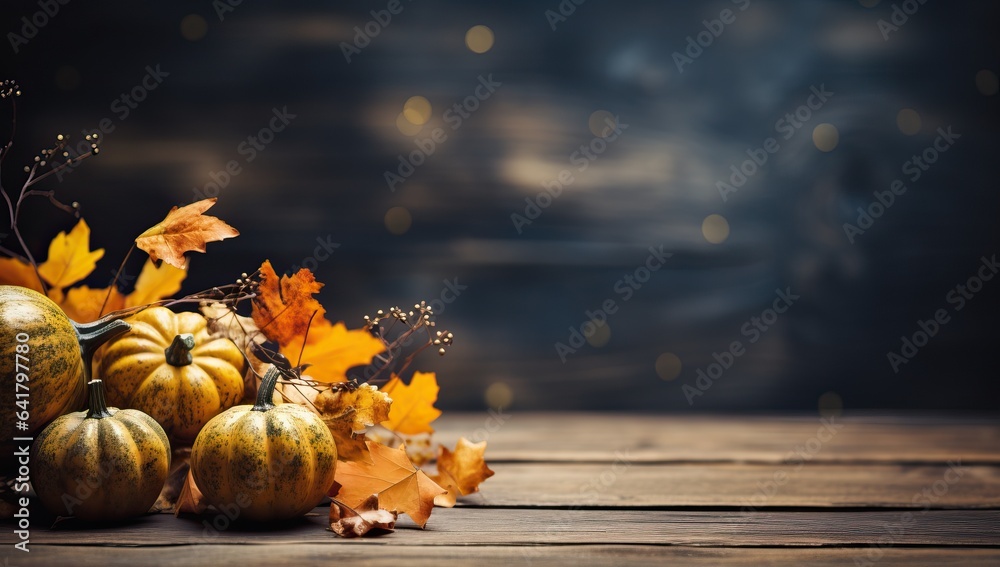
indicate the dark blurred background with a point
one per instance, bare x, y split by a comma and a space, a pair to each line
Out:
689, 87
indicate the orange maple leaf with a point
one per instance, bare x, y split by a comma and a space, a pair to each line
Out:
83, 304
412, 409
285, 306
70, 258
184, 229
461, 472
332, 349
16, 272
399, 485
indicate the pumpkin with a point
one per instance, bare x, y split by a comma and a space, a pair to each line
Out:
273, 462
170, 367
35, 333
103, 464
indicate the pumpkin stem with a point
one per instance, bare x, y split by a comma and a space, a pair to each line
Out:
92, 336
265, 394
98, 405
179, 351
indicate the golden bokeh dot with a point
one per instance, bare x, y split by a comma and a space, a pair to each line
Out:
987, 82
398, 220
417, 110
908, 121
602, 123
715, 228
498, 395
826, 137
67, 78
668, 366
479, 39
830, 404
869, 3
193, 27
406, 127
601, 334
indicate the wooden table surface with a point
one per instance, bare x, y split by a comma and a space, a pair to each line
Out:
611, 489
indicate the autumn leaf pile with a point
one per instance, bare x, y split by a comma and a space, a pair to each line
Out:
382, 424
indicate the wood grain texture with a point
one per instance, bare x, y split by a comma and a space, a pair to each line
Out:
591, 437
499, 526
614, 489
624, 484
495, 556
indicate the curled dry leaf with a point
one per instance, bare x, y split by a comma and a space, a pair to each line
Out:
190, 500
412, 405
184, 229
349, 414
460, 472
346, 521
390, 474
224, 322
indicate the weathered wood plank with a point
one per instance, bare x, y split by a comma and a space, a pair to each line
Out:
626, 484
479, 526
489, 556
598, 437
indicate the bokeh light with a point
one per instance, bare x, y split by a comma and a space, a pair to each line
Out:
193, 27
417, 110
602, 123
715, 228
826, 137
830, 404
601, 334
398, 220
668, 366
498, 395
908, 121
479, 39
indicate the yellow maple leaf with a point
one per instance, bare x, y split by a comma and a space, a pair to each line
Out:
332, 349
349, 414
83, 304
461, 472
399, 485
16, 272
412, 408
70, 258
155, 283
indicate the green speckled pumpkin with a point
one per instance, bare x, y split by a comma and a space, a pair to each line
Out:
171, 368
273, 462
52, 355
103, 464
